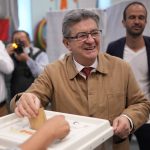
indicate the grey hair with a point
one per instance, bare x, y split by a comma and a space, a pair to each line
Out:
75, 16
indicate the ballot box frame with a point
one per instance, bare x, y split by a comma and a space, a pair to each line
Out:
96, 132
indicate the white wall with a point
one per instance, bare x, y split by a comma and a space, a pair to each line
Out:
24, 14
39, 8
3, 10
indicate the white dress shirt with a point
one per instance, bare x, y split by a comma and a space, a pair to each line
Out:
37, 66
79, 67
139, 64
6, 67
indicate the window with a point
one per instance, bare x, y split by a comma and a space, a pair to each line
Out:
24, 13
102, 4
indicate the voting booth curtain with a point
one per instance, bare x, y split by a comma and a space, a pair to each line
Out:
4, 29
8, 18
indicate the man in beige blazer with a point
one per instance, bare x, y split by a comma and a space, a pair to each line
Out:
109, 92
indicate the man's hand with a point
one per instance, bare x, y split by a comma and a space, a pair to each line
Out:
10, 49
122, 127
22, 57
28, 105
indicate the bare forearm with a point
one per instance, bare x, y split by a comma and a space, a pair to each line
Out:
39, 141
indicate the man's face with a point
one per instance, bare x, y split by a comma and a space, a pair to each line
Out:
84, 51
135, 20
22, 37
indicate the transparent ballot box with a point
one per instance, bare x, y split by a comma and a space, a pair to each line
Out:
86, 133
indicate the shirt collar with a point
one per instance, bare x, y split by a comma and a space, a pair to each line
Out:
79, 67
101, 65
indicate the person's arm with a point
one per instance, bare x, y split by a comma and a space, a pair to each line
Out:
137, 109
37, 66
55, 128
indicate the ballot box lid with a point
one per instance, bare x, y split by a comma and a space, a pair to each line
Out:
86, 133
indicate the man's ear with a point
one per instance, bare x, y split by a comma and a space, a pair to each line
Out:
146, 21
66, 43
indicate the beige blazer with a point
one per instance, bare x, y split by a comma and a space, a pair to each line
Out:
108, 92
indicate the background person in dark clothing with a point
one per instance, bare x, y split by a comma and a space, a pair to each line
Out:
135, 49
29, 61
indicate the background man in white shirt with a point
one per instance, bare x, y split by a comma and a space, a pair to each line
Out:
6, 67
135, 49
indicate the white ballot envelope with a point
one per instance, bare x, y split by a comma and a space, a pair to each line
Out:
86, 133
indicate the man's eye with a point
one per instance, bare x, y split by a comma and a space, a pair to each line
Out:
142, 17
95, 33
82, 36
131, 17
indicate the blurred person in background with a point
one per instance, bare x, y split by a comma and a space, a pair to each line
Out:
135, 49
29, 61
6, 67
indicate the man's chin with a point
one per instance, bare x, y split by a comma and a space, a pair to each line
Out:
91, 56
136, 33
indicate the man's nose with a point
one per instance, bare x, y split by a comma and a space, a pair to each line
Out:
137, 20
90, 38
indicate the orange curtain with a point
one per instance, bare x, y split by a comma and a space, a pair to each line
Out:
4, 29
63, 4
